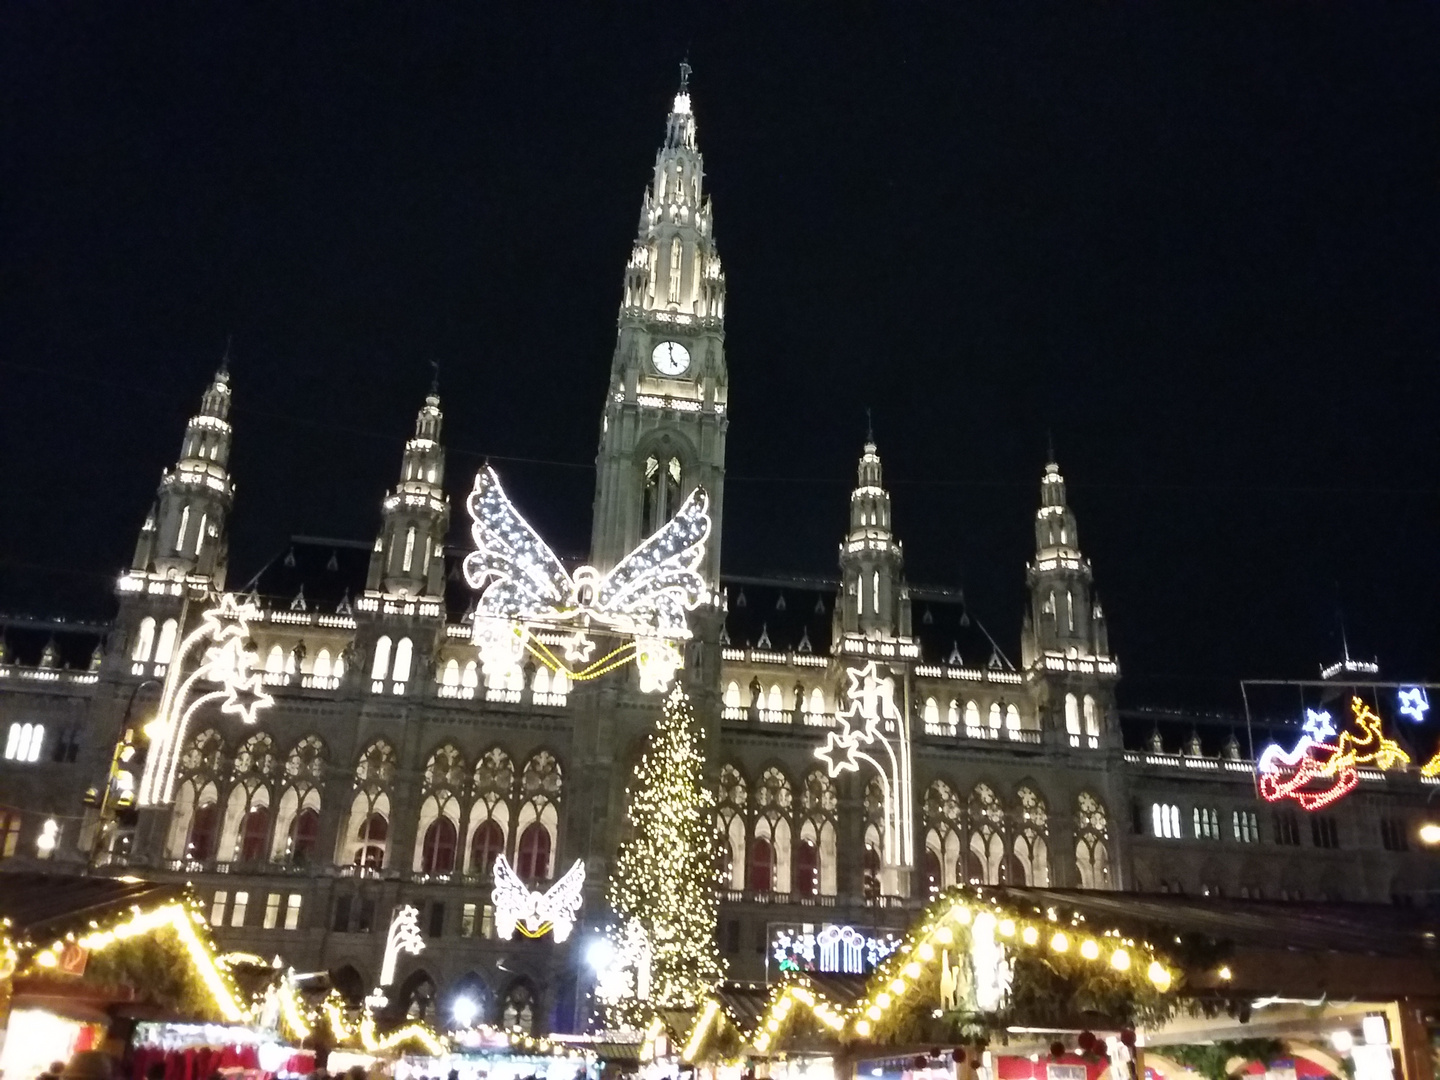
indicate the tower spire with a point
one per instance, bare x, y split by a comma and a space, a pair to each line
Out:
874, 599
409, 552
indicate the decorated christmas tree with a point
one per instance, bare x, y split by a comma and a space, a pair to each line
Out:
662, 890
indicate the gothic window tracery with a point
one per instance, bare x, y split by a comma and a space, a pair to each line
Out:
730, 818
494, 786
438, 830
365, 840
245, 833
1030, 863
941, 820
986, 849
1092, 857
538, 819
773, 802
297, 822
872, 859
815, 854
195, 822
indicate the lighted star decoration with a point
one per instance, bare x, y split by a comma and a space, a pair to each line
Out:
1414, 703
838, 751
578, 648
872, 701
246, 697
1318, 725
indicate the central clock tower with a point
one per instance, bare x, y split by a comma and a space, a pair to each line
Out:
663, 429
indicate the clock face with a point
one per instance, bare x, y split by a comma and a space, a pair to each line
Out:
671, 358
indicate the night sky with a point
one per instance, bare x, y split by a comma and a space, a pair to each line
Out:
1200, 248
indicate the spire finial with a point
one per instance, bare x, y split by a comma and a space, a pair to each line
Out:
1050, 447
225, 359
869, 427
434, 378
685, 70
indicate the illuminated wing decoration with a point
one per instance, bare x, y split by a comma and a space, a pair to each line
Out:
515, 572
522, 584
518, 907
652, 588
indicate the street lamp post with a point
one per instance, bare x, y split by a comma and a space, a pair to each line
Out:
125, 749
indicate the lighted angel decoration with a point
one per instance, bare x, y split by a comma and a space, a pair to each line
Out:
519, 907
645, 596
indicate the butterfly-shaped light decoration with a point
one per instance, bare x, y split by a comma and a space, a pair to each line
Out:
519, 907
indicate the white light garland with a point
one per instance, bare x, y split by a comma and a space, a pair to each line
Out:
518, 907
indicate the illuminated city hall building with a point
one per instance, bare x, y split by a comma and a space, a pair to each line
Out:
869, 741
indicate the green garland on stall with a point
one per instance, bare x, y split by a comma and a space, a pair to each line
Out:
156, 969
1211, 1059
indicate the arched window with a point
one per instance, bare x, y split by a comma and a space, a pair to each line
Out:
470, 677
1070, 608
532, 854
200, 844
451, 674
870, 871
304, 836
200, 534
409, 558
761, 870
972, 716
184, 528
1092, 859
144, 639
730, 818
941, 820
775, 701
807, 869
986, 850
932, 715
1072, 719
1012, 719
275, 661
732, 695
676, 251
165, 644
254, 833
321, 667
930, 866
1092, 722
486, 844
541, 683
381, 664
952, 717
1030, 863
818, 803
373, 834
437, 855
817, 702
404, 653
994, 716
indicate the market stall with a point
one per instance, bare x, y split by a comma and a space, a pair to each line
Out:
1033, 984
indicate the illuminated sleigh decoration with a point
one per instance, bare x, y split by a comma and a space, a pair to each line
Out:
1316, 771
523, 590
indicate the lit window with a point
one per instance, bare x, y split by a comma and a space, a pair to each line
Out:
292, 911
1092, 718
774, 701
1012, 718
165, 646
1206, 823
1072, 719
23, 742
321, 666
381, 663
1070, 608
404, 652
409, 558
995, 716
732, 695
451, 674
144, 640
1165, 821
217, 908
953, 716
272, 911
200, 535
184, 528
541, 682
237, 909
275, 661
972, 715
1245, 825
932, 713
875, 591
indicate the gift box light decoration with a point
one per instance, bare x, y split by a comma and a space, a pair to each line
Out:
523, 588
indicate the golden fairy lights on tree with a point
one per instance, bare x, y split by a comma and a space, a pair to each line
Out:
663, 888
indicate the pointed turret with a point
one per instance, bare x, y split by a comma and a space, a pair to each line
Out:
874, 599
408, 557
663, 428
185, 532
1064, 640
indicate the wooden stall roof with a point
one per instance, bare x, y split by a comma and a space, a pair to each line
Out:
49, 905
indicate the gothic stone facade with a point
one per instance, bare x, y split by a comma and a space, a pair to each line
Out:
389, 771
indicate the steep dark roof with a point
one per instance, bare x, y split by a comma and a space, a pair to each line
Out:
786, 614
25, 641
318, 572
